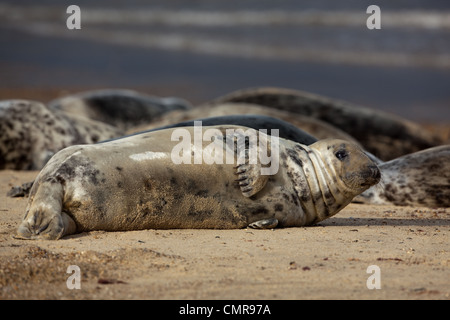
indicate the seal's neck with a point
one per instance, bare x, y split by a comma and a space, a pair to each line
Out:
326, 197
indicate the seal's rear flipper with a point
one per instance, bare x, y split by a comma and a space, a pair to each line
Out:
44, 218
57, 227
264, 224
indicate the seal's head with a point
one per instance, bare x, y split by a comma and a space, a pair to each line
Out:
354, 170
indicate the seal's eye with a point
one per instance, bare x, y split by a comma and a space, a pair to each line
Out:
341, 154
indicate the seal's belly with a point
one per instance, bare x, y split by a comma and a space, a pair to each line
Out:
156, 195
168, 196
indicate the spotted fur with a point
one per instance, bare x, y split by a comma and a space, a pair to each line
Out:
419, 179
31, 134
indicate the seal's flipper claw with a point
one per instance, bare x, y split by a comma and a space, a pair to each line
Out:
250, 179
41, 225
264, 224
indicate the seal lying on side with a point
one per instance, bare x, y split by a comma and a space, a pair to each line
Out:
118, 107
134, 183
418, 179
385, 135
31, 134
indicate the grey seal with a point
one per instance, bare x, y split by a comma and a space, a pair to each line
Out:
385, 135
134, 183
419, 179
121, 108
31, 134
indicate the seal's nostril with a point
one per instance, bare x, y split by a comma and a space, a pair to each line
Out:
372, 176
378, 175
375, 172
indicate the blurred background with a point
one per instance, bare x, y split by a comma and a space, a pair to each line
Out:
201, 49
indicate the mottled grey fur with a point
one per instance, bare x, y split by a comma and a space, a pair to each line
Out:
31, 134
419, 179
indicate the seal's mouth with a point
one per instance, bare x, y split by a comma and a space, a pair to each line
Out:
371, 176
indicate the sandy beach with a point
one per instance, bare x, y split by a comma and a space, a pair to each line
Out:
199, 52
328, 261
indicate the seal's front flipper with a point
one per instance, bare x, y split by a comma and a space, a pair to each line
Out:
264, 224
245, 147
250, 179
